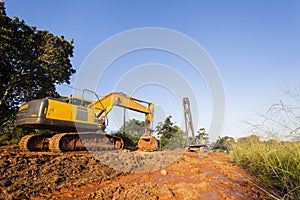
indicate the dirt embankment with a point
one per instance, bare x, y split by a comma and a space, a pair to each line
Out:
81, 176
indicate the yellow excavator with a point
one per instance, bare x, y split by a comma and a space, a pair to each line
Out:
78, 122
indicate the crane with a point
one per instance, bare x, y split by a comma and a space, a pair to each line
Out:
191, 139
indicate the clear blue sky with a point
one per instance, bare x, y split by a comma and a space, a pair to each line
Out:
254, 44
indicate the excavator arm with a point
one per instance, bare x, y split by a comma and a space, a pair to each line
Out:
105, 104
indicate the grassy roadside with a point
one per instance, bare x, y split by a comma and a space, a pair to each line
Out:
276, 165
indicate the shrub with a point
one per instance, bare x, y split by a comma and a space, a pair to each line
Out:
129, 140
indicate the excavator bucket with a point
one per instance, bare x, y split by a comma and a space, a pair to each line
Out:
147, 143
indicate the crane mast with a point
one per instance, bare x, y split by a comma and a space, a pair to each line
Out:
188, 122
193, 145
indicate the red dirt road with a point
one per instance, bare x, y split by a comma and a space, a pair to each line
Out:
192, 176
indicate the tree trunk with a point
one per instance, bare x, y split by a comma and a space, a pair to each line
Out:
3, 99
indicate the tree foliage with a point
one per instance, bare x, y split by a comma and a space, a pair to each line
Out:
224, 144
171, 136
32, 63
202, 135
134, 127
130, 141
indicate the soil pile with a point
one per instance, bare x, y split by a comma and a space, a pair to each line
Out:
25, 175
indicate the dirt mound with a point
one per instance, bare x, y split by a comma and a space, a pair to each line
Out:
40, 175
138, 161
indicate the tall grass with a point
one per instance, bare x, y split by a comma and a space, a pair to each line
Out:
276, 165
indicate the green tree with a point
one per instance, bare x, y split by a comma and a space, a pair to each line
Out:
178, 139
32, 63
133, 127
202, 134
224, 144
171, 136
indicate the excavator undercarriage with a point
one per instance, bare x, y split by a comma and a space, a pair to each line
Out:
65, 142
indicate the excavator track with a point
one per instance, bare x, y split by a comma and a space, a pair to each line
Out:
65, 142
69, 142
34, 143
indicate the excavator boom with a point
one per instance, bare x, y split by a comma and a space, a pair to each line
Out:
105, 104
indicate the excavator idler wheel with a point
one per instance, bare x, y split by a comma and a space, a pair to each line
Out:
147, 143
34, 143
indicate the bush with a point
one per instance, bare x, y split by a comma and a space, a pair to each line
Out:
276, 165
13, 135
223, 144
129, 140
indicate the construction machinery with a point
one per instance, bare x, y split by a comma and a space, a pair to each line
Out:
193, 144
78, 122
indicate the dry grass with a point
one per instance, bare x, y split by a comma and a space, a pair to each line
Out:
276, 165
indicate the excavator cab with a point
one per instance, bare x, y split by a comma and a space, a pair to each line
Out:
78, 101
